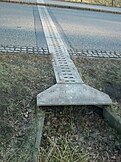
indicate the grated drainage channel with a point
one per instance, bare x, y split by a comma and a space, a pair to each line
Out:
64, 68
70, 89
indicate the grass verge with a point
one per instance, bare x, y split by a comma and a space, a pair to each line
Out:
71, 134
22, 77
104, 75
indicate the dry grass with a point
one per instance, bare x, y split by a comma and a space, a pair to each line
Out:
77, 134
71, 134
22, 77
105, 75
62, 152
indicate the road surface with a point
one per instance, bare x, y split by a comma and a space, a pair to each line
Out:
20, 25
90, 30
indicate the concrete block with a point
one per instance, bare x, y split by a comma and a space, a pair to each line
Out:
72, 94
113, 119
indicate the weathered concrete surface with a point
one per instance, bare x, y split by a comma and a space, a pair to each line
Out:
113, 119
72, 94
70, 89
40, 123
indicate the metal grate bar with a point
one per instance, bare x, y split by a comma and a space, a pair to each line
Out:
64, 68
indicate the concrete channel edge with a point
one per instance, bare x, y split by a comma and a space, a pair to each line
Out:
39, 130
113, 119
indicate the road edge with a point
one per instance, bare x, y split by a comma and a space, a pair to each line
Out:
62, 6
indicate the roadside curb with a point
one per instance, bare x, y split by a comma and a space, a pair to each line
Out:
39, 130
45, 52
62, 6
113, 119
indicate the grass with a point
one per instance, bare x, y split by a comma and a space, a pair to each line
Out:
77, 134
62, 152
59, 139
115, 108
22, 77
104, 75
66, 136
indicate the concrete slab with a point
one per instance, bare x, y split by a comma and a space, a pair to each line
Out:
72, 94
70, 89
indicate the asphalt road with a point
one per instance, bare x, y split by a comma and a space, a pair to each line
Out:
20, 25
16, 25
90, 30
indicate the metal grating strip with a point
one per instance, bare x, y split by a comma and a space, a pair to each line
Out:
64, 68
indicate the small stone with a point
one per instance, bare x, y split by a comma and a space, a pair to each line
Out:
113, 157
